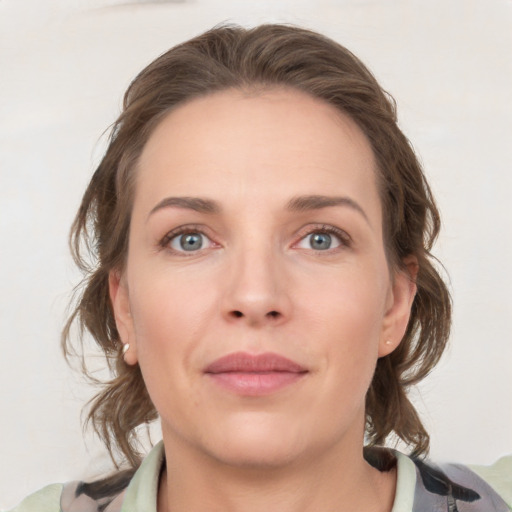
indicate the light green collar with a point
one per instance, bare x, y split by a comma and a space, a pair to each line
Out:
405, 483
142, 492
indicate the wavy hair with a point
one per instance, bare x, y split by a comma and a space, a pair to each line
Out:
268, 56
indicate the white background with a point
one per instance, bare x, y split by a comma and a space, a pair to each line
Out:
64, 65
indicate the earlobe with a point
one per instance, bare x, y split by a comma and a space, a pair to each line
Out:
119, 298
399, 311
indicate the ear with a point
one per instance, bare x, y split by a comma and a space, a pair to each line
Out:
119, 298
399, 305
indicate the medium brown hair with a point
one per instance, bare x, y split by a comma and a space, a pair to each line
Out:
267, 56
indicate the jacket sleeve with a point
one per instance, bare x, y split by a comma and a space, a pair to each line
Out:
45, 500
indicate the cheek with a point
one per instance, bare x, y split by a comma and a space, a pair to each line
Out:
167, 327
344, 315
168, 310
351, 301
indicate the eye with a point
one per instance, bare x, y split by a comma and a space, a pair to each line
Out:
324, 239
186, 241
319, 242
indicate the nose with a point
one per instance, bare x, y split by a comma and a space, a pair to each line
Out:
256, 289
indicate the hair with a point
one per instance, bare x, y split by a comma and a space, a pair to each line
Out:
265, 57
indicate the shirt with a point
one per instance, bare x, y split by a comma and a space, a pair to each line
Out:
421, 487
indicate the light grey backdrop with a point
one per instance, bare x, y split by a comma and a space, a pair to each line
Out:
64, 65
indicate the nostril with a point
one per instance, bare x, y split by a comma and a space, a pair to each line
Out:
270, 314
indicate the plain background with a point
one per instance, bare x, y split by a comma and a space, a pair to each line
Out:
64, 65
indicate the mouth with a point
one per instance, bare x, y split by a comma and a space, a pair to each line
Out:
254, 375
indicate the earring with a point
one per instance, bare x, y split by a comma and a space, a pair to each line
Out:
126, 347
389, 342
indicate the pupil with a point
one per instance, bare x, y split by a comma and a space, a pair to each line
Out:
191, 242
321, 241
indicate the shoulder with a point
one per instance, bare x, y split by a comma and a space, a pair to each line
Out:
106, 495
44, 500
459, 488
498, 476
103, 495
126, 491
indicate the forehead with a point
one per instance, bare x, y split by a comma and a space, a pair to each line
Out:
269, 146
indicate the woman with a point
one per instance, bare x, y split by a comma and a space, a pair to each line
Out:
261, 281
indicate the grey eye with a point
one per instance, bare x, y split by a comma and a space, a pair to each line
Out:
188, 242
320, 241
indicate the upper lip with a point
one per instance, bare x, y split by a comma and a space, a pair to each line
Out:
242, 362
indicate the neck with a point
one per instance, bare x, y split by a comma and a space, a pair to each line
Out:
329, 481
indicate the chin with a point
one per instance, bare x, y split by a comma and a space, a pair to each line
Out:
257, 444
249, 455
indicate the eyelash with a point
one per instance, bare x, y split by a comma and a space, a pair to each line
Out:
343, 237
181, 230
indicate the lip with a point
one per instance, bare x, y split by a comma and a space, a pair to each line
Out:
254, 375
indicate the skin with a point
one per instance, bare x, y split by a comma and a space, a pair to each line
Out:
258, 285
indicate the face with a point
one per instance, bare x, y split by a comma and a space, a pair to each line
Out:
257, 296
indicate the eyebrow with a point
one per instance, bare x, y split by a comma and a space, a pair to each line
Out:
196, 204
296, 204
316, 202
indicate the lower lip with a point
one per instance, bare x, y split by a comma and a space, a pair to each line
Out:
255, 384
